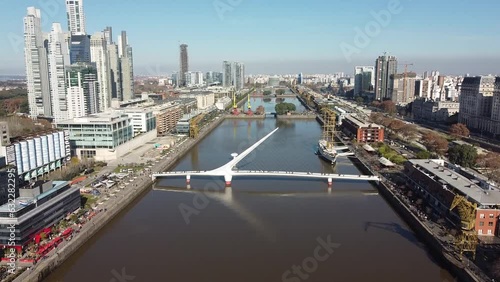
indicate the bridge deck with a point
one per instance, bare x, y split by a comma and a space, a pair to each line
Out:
236, 173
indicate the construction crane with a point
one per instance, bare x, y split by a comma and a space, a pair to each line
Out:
235, 107
249, 111
194, 125
466, 239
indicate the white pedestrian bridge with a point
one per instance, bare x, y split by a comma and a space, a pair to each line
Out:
228, 170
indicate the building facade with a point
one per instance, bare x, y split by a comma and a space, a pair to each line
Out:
37, 74
183, 64
364, 79
167, 117
99, 56
75, 16
385, 66
38, 206
476, 103
83, 90
58, 58
402, 88
438, 183
440, 111
362, 131
39, 154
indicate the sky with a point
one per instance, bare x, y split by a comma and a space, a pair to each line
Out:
281, 36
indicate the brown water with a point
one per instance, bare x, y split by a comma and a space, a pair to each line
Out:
260, 228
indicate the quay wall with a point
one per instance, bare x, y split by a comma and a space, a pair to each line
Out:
423, 233
48, 265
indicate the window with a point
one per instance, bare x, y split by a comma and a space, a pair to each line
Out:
481, 215
481, 223
480, 231
490, 223
489, 232
491, 215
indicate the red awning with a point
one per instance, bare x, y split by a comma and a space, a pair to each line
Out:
67, 231
47, 230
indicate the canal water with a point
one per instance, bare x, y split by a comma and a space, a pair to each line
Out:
259, 229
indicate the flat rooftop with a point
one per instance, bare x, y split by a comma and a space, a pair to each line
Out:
99, 118
22, 202
361, 123
459, 182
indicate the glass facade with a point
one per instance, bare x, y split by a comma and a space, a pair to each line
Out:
95, 134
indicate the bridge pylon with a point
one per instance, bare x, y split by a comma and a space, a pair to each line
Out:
330, 182
228, 178
188, 179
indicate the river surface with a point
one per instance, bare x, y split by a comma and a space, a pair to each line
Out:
260, 229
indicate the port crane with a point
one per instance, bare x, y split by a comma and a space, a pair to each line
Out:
466, 240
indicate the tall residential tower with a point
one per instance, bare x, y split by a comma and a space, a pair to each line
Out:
37, 72
184, 65
76, 17
385, 66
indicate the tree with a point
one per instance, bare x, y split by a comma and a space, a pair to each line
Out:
283, 108
409, 131
396, 125
490, 162
459, 130
280, 91
267, 92
463, 155
377, 117
389, 107
435, 143
423, 154
360, 100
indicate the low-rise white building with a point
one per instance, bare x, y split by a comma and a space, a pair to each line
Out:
203, 99
223, 103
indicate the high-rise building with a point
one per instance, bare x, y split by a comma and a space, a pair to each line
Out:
108, 34
80, 49
300, 78
122, 43
476, 99
99, 56
37, 74
238, 75
402, 88
76, 17
115, 72
385, 66
184, 65
83, 90
364, 79
127, 68
58, 57
227, 74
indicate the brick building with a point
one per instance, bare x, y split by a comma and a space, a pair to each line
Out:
362, 131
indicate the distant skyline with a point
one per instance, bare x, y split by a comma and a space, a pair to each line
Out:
270, 37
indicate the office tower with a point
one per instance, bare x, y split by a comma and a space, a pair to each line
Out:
127, 65
99, 57
239, 75
184, 64
58, 58
227, 77
300, 79
108, 34
76, 17
80, 49
476, 102
83, 90
35, 55
364, 79
115, 72
385, 66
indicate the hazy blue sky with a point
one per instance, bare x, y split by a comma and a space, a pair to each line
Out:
280, 36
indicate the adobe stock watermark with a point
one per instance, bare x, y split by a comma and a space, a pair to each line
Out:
11, 195
49, 9
121, 276
200, 202
223, 6
363, 36
303, 271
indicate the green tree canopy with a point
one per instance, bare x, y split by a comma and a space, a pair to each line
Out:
267, 92
283, 108
463, 155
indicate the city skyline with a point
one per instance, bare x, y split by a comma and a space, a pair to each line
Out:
272, 38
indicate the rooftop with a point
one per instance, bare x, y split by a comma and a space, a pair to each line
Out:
361, 123
105, 117
461, 183
22, 202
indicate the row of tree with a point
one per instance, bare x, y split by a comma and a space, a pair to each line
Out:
284, 108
